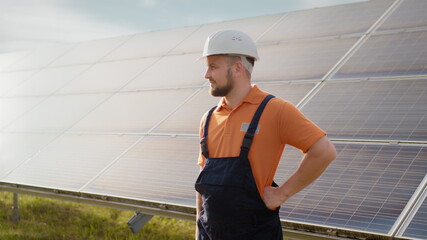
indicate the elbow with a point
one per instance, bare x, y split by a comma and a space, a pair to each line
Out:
331, 153
323, 150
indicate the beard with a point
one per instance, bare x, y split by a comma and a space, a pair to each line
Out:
224, 90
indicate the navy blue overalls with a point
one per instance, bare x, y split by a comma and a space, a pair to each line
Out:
232, 206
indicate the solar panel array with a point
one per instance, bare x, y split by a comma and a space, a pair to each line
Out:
119, 117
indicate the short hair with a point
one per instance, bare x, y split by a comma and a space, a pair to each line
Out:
248, 62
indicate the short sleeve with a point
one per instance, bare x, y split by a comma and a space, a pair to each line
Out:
201, 160
296, 129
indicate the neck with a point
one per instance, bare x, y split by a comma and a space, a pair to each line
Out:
234, 98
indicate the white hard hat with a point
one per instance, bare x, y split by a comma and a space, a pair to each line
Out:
230, 42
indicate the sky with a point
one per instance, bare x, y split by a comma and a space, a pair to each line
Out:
29, 24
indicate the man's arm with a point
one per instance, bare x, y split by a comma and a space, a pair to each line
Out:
313, 164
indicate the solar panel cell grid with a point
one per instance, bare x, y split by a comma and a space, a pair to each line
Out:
70, 161
158, 168
417, 227
390, 55
291, 92
89, 52
10, 80
13, 108
331, 21
187, 119
371, 109
17, 148
39, 58
135, 112
107, 76
56, 113
151, 44
410, 13
306, 60
354, 194
7, 59
182, 71
47, 81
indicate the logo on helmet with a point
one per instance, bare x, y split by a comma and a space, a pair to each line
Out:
236, 38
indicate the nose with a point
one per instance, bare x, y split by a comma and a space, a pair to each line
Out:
208, 74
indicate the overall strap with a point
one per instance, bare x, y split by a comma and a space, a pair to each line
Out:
204, 141
249, 136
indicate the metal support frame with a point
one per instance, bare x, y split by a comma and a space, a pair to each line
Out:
15, 208
138, 221
147, 209
411, 208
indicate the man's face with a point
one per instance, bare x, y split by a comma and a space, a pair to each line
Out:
219, 75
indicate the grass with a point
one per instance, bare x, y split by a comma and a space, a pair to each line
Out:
42, 218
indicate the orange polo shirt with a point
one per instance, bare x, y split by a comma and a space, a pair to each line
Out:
281, 123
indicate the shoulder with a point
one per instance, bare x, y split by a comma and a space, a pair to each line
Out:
279, 104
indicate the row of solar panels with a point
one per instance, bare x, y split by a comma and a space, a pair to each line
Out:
119, 117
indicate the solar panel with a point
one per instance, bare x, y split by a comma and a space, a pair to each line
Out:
13, 108
150, 44
119, 117
89, 52
306, 60
186, 120
375, 110
70, 161
160, 169
135, 112
17, 148
107, 76
390, 55
7, 59
417, 226
292, 91
10, 80
366, 188
409, 14
47, 81
331, 21
56, 113
39, 58
182, 71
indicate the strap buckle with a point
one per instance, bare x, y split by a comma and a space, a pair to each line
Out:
247, 141
204, 147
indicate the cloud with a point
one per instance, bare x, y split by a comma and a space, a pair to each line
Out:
33, 23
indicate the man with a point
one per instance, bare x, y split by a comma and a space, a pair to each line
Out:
242, 140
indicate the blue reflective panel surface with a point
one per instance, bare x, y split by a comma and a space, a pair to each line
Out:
330, 21
409, 14
417, 227
160, 169
365, 188
300, 60
387, 110
389, 55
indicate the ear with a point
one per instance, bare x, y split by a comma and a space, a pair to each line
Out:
238, 68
